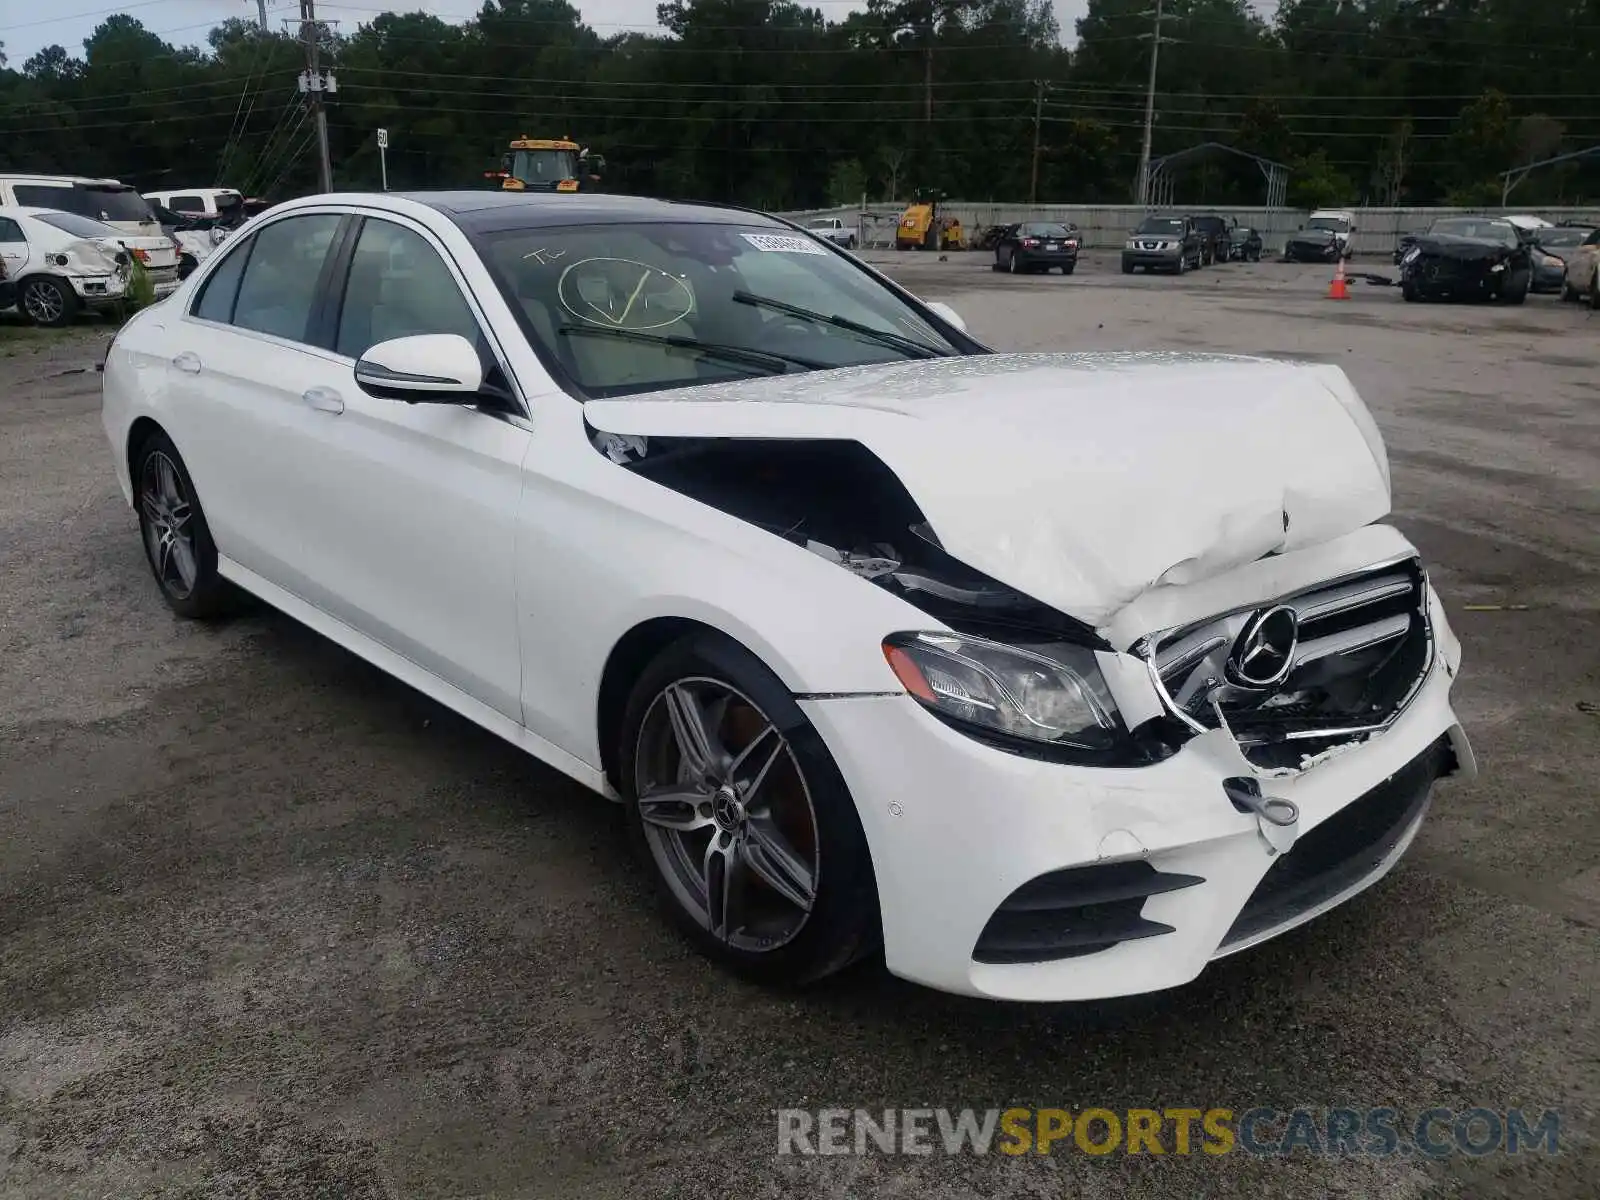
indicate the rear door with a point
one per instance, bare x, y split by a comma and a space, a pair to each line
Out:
13, 259
243, 361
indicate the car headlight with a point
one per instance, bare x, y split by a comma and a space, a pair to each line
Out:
1047, 692
1132, 244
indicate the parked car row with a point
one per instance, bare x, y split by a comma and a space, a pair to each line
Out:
1180, 244
1499, 258
69, 243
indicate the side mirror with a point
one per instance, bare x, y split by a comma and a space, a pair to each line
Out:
950, 315
426, 368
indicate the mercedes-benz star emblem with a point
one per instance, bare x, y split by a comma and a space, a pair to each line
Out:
1264, 653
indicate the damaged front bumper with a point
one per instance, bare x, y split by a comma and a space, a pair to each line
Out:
1012, 878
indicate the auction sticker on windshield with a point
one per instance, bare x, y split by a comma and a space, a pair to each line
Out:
779, 244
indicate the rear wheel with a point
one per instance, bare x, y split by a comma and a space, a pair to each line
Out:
172, 525
743, 817
47, 301
1069, 268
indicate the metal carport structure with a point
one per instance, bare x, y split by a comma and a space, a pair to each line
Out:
1164, 172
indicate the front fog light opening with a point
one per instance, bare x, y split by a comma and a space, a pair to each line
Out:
1050, 694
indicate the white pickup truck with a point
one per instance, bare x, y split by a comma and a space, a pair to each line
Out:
835, 230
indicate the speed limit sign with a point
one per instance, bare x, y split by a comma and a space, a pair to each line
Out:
383, 139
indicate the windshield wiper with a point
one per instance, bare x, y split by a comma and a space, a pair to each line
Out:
882, 336
772, 360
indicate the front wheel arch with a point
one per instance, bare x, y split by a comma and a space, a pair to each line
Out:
633, 652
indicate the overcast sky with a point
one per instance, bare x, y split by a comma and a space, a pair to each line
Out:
26, 26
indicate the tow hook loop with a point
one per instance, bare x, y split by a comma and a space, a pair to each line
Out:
1277, 819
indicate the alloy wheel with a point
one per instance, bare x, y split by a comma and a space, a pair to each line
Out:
42, 302
167, 520
727, 814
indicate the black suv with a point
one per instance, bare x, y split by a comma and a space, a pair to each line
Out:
1163, 244
1215, 233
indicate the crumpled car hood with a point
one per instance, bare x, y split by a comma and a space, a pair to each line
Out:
1083, 480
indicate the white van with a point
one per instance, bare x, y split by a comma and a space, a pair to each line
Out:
106, 200
199, 202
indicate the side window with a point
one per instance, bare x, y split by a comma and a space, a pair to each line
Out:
221, 287
10, 231
188, 204
279, 288
398, 286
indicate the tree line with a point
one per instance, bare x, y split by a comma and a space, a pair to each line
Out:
772, 104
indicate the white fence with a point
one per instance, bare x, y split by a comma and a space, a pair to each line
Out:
1108, 225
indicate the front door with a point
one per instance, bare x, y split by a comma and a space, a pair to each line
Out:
407, 512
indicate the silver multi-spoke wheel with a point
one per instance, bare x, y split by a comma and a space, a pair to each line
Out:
44, 303
727, 814
167, 518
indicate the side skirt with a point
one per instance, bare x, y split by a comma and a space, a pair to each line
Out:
411, 674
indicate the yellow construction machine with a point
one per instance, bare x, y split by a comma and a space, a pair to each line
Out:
548, 165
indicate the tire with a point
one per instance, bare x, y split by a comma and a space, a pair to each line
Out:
1069, 268
792, 831
47, 301
1569, 293
1183, 265
172, 527
1011, 263
1518, 293
1408, 292
1127, 268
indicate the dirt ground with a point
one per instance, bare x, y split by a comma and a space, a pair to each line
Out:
272, 925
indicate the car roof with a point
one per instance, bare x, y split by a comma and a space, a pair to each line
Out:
487, 211
27, 177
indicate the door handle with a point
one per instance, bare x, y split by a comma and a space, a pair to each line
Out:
187, 361
323, 399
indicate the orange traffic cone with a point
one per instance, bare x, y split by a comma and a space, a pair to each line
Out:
1337, 290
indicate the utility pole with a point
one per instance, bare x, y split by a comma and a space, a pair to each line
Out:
314, 83
1038, 117
261, 11
927, 79
1149, 111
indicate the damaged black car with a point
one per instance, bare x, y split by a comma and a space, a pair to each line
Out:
1313, 245
1467, 258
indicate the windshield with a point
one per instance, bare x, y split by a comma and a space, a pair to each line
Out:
103, 202
1160, 225
637, 308
544, 166
77, 226
1331, 224
1562, 238
1469, 227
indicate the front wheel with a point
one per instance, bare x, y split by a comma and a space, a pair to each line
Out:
48, 301
1408, 291
172, 525
743, 817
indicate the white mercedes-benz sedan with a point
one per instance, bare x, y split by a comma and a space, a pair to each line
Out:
1056, 676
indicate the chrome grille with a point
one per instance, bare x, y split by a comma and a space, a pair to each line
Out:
1363, 646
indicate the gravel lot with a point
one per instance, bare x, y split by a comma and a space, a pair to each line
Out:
274, 925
